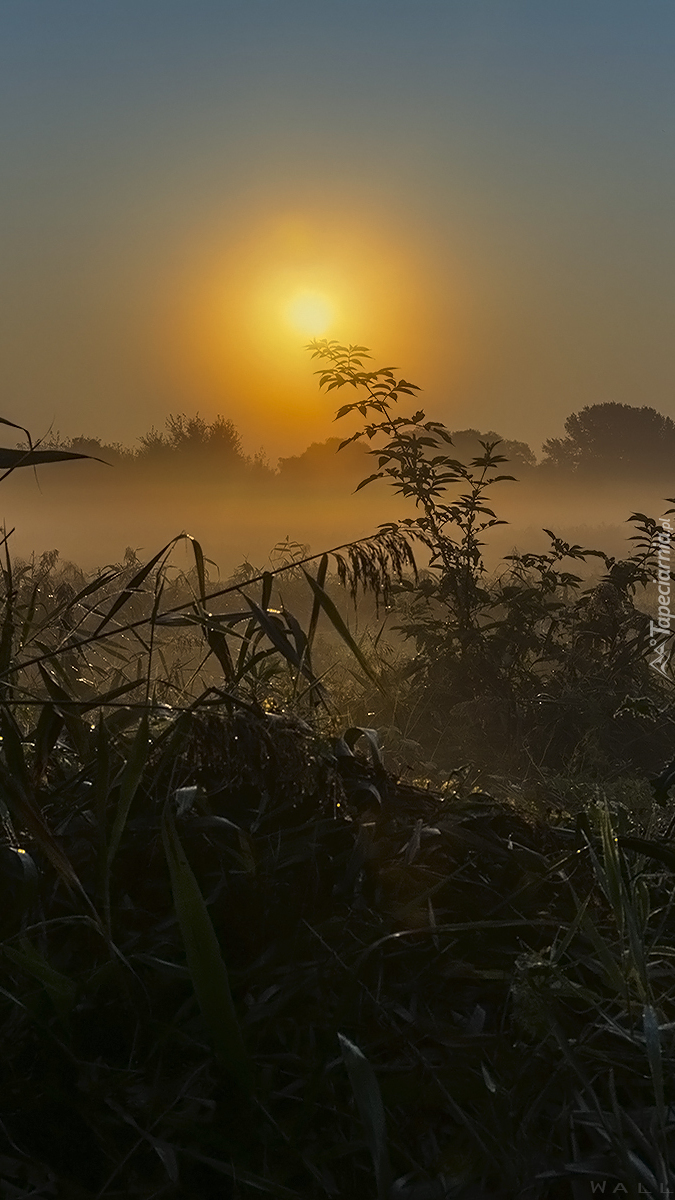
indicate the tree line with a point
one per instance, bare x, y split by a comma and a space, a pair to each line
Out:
601, 440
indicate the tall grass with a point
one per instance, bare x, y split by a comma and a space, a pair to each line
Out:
242, 955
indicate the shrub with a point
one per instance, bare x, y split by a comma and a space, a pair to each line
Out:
557, 653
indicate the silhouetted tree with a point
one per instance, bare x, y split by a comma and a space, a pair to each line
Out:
613, 439
320, 462
109, 452
189, 445
468, 444
193, 436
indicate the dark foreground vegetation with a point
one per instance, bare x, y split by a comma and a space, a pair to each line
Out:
294, 910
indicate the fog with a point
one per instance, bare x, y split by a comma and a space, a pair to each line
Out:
92, 512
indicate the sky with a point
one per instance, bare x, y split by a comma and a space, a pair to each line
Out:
480, 190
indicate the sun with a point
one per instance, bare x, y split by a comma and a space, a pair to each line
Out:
310, 313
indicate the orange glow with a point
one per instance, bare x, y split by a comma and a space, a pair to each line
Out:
310, 313
254, 296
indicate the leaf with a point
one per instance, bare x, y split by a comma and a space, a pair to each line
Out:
12, 745
249, 640
218, 645
32, 458
60, 989
29, 817
21, 868
489, 1081
354, 438
49, 726
13, 425
612, 969
316, 605
365, 482
101, 795
650, 1026
612, 873
132, 773
336, 620
167, 1155
266, 590
185, 798
371, 1110
95, 585
7, 634
105, 698
133, 585
299, 637
199, 563
234, 1171
650, 849
205, 961
77, 728
274, 630
371, 735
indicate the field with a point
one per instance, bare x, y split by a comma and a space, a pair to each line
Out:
346, 878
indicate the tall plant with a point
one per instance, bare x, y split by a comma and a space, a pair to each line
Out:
410, 452
532, 626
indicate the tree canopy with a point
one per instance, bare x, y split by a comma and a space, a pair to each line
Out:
613, 439
468, 445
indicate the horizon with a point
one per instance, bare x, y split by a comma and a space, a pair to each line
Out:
482, 196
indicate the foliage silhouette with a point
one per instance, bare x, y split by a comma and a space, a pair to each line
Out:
502, 985
31, 455
535, 638
613, 440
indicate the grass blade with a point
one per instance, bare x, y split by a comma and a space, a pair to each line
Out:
316, 605
273, 629
27, 816
131, 778
338, 624
101, 796
218, 645
47, 730
650, 849
77, 728
650, 1026
33, 458
60, 989
134, 584
368, 1098
612, 865
205, 961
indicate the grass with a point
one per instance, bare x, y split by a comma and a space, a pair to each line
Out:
245, 954
292, 933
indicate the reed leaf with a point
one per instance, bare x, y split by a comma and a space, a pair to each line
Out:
650, 849
339, 625
134, 584
10, 459
652, 1034
612, 870
60, 989
316, 603
27, 816
131, 776
47, 730
368, 1098
78, 729
205, 961
101, 795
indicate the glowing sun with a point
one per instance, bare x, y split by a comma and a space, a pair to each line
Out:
310, 313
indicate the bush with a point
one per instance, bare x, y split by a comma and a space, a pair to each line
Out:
555, 655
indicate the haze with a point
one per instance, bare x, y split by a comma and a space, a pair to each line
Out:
481, 192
